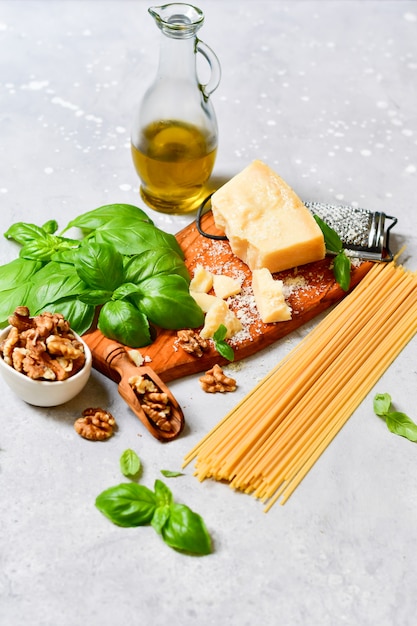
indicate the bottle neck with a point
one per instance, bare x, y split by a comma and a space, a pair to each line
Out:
177, 58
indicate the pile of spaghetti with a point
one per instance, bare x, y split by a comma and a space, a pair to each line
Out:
267, 443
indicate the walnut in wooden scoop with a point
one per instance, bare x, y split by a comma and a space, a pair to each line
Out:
141, 388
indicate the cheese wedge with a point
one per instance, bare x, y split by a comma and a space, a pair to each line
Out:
204, 300
269, 297
202, 280
219, 313
225, 286
265, 221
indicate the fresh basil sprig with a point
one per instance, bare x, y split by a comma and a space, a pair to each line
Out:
123, 264
341, 262
221, 345
130, 505
397, 422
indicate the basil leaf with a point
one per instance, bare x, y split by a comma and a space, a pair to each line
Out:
166, 301
220, 333
99, 266
382, 404
95, 297
400, 424
341, 269
153, 262
123, 322
332, 240
17, 272
39, 249
127, 504
160, 517
12, 298
162, 493
23, 232
171, 473
225, 350
186, 531
134, 237
130, 464
50, 227
124, 291
91, 220
53, 282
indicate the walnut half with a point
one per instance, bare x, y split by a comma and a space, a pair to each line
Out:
96, 424
191, 342
215, 380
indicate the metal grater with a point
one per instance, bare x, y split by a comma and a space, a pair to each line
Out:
365, 235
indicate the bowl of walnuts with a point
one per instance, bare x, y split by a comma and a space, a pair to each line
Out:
42, 360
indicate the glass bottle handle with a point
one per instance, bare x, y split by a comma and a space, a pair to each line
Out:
214, 64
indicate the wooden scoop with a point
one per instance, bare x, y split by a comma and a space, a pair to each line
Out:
115, 358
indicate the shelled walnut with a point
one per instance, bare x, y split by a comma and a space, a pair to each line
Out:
215, 380
96, 424
191, 342
154, 402
42, 347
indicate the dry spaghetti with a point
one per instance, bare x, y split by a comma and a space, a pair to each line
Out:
268, 442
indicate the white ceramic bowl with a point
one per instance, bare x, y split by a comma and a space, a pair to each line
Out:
42, 392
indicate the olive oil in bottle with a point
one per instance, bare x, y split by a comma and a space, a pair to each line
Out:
174, 160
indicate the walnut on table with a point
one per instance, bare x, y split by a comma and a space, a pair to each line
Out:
192, 342
154, 402
42, 347
96, 424
215, 380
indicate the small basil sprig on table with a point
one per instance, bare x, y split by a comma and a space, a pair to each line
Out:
130, 464
130, 505
341, 263
221, 345
397, 422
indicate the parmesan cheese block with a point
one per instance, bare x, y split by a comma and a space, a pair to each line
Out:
265, 221
219, 313
204, 300
269, 297
202, 280
225, 286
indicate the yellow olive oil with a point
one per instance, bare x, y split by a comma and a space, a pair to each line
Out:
174, 161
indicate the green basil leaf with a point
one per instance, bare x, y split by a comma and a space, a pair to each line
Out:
127, 504
160, 517
50, 227
95, 297
166, 301
186, 531
39, 249
51, 283
135, 237
171, 473
382, 404
130, 464
123, 322
124, 291
341, 269
17, 272
220, 333
91, 220
332, 240
23, 232
225, 350
400, 424
100, 266
153, 262
12, 298
162, 493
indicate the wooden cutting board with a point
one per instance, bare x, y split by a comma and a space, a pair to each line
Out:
312, 289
